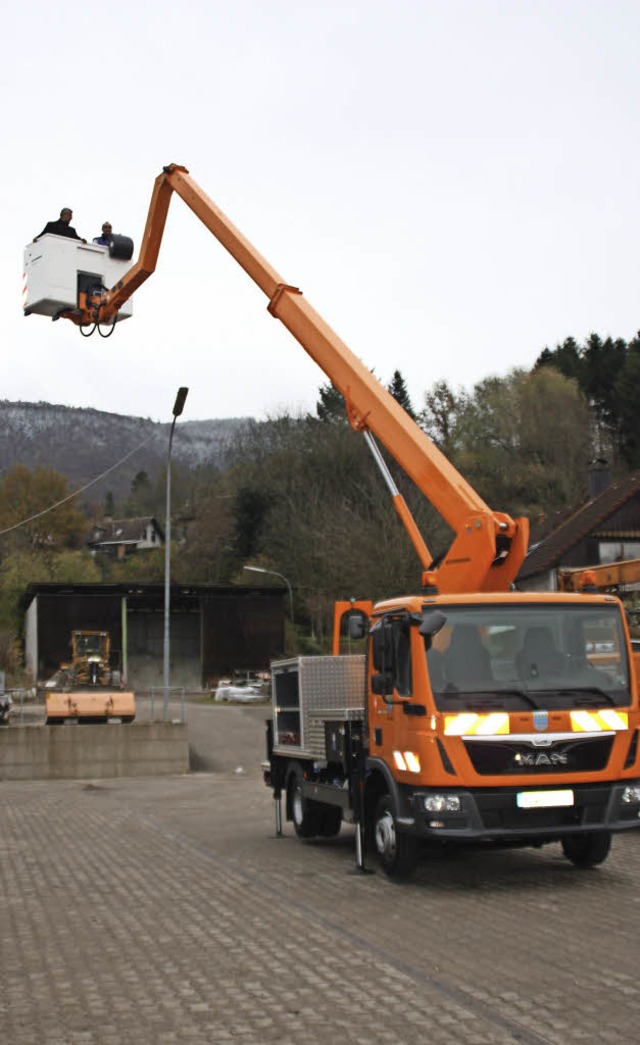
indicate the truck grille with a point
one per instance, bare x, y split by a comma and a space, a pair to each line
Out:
512, 757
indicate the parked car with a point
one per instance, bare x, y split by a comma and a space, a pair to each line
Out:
244, 688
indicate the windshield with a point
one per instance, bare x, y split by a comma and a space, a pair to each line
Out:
529, 656
87, 644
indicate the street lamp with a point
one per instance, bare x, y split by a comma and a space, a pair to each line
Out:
274, 573
178, 407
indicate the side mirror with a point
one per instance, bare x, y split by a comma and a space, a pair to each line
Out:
432, 623
357, 626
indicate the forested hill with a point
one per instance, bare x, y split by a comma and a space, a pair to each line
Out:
83, 443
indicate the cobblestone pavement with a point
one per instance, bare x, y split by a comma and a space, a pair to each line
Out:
136, 912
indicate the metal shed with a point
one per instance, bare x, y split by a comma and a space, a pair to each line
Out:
214, 630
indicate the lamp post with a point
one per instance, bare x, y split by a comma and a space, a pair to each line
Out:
178, 407
274, 573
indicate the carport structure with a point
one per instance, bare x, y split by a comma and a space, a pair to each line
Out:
214, 630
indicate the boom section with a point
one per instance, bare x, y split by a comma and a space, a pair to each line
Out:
489, 546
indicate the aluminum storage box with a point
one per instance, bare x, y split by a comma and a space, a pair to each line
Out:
307, 692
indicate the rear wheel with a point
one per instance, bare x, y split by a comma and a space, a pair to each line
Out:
306, 815
587, 850
397, 852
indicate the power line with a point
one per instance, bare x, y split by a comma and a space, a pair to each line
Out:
76, 493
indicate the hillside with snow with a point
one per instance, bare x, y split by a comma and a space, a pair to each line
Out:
82, 443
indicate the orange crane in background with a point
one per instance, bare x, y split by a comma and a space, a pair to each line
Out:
611, 577
476, 714
605, 577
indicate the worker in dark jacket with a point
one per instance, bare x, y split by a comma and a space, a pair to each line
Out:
61, 227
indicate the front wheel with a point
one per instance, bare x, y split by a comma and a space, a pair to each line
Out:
397, 852
587, 850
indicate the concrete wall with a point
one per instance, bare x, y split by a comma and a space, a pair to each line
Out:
81, 752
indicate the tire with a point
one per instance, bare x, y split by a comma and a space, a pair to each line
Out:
306, 815
54, 721
397, 852
330, 821
587, 850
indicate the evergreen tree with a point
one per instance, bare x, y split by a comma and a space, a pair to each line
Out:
331, 406
607, 374
568, 358
627, 388
250, 509
398, 390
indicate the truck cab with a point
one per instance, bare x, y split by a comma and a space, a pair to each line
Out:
509, 722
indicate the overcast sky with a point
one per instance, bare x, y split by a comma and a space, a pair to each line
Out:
452, 183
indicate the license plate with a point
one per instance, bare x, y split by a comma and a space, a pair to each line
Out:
543, 799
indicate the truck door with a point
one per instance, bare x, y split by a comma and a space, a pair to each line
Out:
392, 679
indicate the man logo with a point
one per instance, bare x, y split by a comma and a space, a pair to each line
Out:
540, 720
534, 759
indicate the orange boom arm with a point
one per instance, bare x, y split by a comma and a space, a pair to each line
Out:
489, 546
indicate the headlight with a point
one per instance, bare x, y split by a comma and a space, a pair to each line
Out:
442, 803
631, 795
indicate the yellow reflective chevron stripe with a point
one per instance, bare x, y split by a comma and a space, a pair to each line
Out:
599, 721
469, 724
